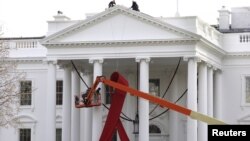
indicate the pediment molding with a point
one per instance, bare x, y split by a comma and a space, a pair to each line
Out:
115, 11
119, 43
25, 118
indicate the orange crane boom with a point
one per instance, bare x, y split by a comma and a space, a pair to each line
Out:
162, 102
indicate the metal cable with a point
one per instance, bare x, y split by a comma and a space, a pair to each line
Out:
168, 108
176, 69
79, 74
125, 118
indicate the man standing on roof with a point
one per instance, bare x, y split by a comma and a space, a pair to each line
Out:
135, 6
112, 3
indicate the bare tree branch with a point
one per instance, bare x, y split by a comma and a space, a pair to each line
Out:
10, 78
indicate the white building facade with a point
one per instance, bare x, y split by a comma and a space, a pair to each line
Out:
204, 68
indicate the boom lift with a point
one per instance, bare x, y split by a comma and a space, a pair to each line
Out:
120, 86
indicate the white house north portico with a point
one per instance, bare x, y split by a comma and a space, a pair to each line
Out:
161, 56
121, 34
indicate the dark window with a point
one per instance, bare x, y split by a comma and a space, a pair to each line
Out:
154, 129
25, 135
58, 134
26, 89
247, 90
154, 87
59, 92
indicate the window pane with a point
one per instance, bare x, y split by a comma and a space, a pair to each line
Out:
58, 134
25, 90
154, 129
25, 134
247, 90
154, 87
59, 92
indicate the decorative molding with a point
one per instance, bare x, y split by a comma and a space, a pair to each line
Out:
141, 58
119, 42
59, 118
118, 10
93, 60
54, 61
197, 59
28, 60
237, 54
27, 119
209, 65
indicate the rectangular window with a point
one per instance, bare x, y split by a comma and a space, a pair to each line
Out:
25, 135
26, 91
58, 134
247, 90
154, 87
59, 92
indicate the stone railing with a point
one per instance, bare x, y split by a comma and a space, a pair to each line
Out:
20, 43
209, 32
244, 38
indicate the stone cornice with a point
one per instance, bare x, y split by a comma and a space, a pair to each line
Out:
212, 46
119, 42
238, 54
29, 60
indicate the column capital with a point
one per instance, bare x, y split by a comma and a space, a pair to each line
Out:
209, 65
195, 58
93, 60
139, 59
54, 61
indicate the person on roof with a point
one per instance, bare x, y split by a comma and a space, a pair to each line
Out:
112, 3
135, 6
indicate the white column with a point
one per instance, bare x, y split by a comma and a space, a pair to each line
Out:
50, 132
66, 111
86, 113
217, 94
130, 104
97, 111
75, 112
173, 115
202, 100
210, 93
144, 104
192, 98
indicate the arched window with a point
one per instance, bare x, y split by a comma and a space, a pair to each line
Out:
154, 129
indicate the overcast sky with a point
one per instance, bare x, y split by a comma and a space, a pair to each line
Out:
29, 17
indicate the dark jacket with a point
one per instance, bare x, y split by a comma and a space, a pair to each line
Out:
135, 6
111, 4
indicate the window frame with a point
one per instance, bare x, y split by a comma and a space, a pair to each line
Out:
31, 93
243, 88
19, 133
58, 94
57, 134
153, 80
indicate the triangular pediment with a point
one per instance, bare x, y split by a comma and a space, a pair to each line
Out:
119, 24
